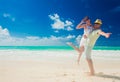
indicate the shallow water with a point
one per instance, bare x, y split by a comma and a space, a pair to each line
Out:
55, 55
55, 48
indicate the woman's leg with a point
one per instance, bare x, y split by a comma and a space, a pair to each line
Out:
79, 50
73, 46
80, 53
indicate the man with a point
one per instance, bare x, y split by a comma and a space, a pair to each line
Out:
91, 40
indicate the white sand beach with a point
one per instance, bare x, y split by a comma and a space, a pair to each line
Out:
57, 66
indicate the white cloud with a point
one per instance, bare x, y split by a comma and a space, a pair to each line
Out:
54, 17
70, 36
69, 29
4, 33
7, 15
7, 40
68, 23
78, 38
59, 24
32, 37
56, 31
63, 38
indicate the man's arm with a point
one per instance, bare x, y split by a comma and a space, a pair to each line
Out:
107, 35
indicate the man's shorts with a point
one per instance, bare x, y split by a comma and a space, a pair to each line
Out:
87, 52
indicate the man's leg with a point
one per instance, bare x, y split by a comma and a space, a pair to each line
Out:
91, 67
88, 50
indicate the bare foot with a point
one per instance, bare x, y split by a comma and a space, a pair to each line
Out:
69, 43
90, 74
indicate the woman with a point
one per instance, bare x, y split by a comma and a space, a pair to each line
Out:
86, 25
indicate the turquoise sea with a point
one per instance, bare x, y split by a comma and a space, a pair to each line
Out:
54, 48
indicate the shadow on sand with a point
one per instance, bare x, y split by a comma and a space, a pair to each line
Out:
107, 76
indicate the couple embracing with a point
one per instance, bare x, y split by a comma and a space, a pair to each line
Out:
88, 40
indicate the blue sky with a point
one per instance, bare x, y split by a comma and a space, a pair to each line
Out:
53, 22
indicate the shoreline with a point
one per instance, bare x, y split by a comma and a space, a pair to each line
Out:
56, 54
54, 48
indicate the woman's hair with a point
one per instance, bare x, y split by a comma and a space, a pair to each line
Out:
85, 18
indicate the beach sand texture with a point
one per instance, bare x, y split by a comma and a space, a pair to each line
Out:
57, 66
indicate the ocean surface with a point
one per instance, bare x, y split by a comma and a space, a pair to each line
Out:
54, 53
54, 48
